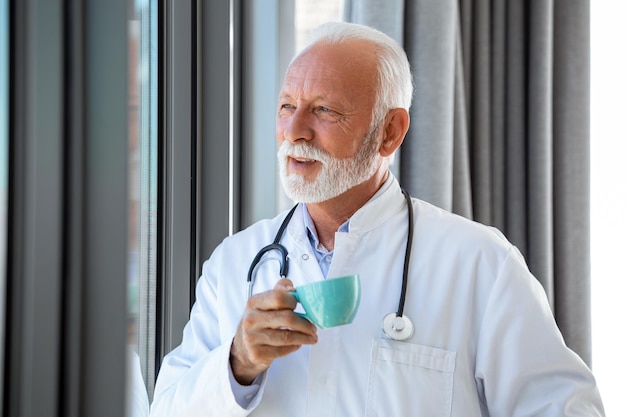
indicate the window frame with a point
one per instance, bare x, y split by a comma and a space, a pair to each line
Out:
67, 193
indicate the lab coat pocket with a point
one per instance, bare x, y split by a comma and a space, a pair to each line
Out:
409, 380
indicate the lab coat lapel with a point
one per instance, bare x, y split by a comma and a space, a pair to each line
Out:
302, 261
366, 220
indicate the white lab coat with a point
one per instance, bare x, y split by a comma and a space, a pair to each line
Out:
485, 341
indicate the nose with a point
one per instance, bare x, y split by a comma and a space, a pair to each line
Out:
295, 126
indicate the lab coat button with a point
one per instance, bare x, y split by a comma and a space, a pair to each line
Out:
305, 257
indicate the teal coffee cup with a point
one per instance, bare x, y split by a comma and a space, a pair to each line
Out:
331, 302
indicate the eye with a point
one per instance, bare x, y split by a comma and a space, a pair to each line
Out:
285, 109
326, 113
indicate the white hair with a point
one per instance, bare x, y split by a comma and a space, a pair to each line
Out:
395, 85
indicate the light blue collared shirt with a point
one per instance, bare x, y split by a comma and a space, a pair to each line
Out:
324, 256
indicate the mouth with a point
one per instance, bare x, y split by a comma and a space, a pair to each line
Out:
301, 165
301, 160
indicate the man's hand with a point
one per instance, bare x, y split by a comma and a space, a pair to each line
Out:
268, 330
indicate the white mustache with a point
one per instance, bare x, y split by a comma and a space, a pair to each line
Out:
302, 151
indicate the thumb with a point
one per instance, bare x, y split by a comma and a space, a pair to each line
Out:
284, 284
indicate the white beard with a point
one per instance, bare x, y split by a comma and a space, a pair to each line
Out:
336, 175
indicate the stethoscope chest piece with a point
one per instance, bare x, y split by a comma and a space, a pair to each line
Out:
397, 327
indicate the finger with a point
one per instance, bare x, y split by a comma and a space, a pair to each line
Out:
284, 284
275, 299
267, 354
258, 321
284, 337
255, 350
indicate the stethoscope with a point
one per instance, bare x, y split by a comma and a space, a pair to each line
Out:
396, 325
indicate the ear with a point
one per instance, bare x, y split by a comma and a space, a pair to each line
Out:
396, 125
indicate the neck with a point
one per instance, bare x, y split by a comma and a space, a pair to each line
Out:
329, 215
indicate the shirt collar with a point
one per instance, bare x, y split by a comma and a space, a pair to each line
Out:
345, 227
312, 232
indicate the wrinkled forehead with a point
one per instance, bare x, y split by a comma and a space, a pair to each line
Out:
349, 66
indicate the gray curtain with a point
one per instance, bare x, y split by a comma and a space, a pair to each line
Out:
500, 128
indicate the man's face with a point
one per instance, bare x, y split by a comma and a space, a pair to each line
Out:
335, 175
323, 125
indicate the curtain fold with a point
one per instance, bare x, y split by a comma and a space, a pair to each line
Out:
500, 128
426, 164
571, 171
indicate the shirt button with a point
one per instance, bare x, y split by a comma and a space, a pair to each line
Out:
328, 258
249, 396
305, 257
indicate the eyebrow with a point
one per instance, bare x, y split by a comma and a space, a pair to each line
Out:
331, 102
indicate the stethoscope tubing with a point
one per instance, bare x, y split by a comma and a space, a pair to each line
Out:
407, 255
275, 245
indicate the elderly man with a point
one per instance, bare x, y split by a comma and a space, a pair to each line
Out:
476, 336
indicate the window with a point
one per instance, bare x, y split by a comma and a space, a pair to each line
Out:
4, 141
273, 36
66, 285
312, 13
142, 210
